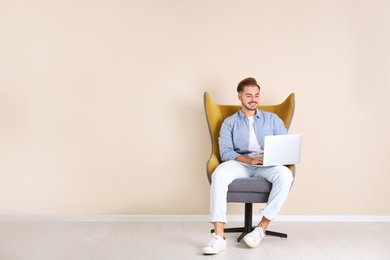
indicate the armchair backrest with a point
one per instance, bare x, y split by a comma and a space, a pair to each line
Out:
216, 114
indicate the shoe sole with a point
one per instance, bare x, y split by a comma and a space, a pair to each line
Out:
250, 244
212, 252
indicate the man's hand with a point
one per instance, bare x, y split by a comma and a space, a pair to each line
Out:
257, 160
250, 160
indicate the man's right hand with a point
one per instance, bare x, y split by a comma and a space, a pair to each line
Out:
257, 160
250, 160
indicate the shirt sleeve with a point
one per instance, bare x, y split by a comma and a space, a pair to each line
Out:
279, 128
226, 147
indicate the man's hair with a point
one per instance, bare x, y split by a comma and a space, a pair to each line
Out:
246, 82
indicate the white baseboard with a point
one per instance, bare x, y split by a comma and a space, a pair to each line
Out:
334, 218
189, 218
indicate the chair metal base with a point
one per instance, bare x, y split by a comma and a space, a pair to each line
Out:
248, 226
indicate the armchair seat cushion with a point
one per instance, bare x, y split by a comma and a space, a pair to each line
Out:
249, 190
257, 185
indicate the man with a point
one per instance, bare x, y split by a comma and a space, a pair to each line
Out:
241, 143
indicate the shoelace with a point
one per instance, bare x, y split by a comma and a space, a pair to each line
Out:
212, 241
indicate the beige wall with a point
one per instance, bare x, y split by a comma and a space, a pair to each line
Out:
101, 102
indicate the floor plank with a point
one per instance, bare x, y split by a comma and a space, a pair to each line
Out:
195, 237
325, 242
143, 242
118, 242
370, 239
61, 238
91, 242
303, 247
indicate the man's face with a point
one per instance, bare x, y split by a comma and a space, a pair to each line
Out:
250, 97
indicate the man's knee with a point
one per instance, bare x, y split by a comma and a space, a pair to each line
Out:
219, 172
216, 176
225, 171
285, 175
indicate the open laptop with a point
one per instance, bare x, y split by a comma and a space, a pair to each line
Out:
282, 149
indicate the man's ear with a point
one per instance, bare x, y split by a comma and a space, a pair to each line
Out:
239, 96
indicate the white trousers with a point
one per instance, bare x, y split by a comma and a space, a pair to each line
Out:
280, 177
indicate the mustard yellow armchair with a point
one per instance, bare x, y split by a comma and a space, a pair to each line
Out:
252, 190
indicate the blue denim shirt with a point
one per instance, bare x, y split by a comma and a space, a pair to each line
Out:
234, 135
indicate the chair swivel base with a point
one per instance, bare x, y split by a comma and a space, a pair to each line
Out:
248, 226
244, 231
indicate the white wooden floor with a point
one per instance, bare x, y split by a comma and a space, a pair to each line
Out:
185, 240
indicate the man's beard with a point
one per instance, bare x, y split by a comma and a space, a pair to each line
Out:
250, 108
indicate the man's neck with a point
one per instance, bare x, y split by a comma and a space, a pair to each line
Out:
247, 112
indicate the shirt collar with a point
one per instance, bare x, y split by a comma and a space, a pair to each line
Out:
242, 114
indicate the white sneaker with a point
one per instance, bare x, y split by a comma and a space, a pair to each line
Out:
216, 245
253, 238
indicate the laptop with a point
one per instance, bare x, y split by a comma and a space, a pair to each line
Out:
282, 149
